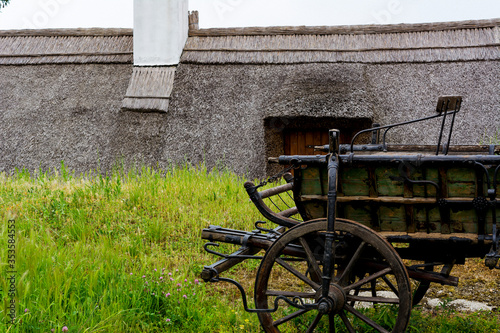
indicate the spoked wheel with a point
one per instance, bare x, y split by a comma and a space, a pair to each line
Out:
370, 287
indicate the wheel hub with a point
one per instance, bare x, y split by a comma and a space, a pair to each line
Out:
334, 302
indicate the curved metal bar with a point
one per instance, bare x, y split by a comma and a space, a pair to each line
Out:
271, 231
296, 302
495, 177
265, 210
388, 127
405, 178
228, 256
279, 196
483, 168
274, 204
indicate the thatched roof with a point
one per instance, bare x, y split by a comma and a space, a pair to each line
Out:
428, 42
149, 89
26, 47
431, 42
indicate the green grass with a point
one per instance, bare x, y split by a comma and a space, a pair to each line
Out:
491, 139
122, 253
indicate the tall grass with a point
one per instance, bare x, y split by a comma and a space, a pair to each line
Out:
491, 139
85, 243
122, 252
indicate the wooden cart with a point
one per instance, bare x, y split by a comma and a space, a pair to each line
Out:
362, 210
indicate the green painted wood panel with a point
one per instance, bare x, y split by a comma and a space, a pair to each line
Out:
463, 221
392, 218
359, 214
422, 214
354, 181
311, 181
461, 182
385, 185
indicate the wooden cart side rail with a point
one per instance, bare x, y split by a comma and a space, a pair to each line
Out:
289, 212
421, 159
402, 148
276, 190
387, 199
384, 158
393, 236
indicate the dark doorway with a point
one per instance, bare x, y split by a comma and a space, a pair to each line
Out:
297, 135
301, 142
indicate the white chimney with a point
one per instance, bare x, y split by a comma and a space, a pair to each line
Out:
160, 31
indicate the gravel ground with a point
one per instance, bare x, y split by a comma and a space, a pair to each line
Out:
478, 289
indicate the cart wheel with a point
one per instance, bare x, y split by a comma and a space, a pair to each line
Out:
370, 286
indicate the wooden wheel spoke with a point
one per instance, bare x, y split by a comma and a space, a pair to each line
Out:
390, 285
373, 285
283, 320
290, 293
315, 270
367, 279
372, 299
366, 319
298, 274
331, 323
346, 322
356, 293
347, 271
314, 323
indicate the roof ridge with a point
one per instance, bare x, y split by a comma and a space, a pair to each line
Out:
67, 32
346, 29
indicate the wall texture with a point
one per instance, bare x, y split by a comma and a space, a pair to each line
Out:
50, 113
219, 113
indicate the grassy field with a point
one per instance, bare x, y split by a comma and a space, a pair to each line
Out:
123, 253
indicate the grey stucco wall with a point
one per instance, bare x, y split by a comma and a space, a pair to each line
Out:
401, 92
50, 113
221, 108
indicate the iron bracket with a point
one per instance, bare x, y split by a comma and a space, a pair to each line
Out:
296, 302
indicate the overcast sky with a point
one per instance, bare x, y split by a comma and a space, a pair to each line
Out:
39, 14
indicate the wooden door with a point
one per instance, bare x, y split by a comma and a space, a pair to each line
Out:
299, 142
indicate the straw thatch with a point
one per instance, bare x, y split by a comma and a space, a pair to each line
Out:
26, 47
413, 43
193, 20
149, 89
339, 30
